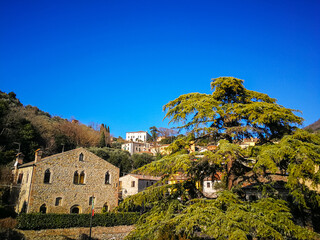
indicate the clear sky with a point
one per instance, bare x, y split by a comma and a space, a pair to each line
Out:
118, 62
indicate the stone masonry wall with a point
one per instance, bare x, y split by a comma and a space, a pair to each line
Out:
62, 167
23, 189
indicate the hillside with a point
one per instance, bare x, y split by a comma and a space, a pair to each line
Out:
314, 126
29, 128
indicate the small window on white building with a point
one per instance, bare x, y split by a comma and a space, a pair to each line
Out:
133, 184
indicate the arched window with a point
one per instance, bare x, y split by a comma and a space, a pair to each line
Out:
75, 209
76, 177
47, 176
107, 178
81, 157
43, 208
81, 180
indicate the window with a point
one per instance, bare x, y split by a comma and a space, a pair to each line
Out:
43, 208
75, 209
81, 157
133, 183
47, 176
76, 178
107, 178
27, 178
105, 208
58, 201
147, 184
91, 200
20, 178
208, 185
81, 181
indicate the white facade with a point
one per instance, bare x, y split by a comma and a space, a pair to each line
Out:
210, 188
134, 147
140, 136
133, 183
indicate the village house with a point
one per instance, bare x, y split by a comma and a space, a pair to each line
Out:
134, 147
133, 183
68, 182
162, 149
139, 136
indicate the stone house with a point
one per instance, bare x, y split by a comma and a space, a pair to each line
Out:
67, 182
131, 184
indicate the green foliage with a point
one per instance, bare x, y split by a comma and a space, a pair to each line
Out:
232, 112
227, 116
154, 133
36, 221
297, 156
102, 142
140, 160
226, 217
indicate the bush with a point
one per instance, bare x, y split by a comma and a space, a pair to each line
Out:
45, 221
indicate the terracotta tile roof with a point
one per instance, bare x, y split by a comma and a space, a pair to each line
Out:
137, 132
144, 177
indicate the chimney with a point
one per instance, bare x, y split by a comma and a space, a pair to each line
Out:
38, 155
19, 160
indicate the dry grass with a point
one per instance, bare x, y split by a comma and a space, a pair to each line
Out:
6, 223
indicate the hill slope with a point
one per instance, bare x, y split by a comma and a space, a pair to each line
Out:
314, 126
29, 128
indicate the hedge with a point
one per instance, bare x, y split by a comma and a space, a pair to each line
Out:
34, 221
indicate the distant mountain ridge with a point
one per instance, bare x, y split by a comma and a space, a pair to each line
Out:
314, 126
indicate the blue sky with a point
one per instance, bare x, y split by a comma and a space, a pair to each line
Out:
118, 62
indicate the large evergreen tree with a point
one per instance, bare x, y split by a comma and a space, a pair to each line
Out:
227, 116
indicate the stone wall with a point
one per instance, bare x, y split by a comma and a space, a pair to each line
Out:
22, 189
101, 233
126, 186
62, 168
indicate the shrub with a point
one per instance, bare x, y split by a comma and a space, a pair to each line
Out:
46, 221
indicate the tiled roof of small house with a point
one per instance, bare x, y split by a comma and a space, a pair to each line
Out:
144, 177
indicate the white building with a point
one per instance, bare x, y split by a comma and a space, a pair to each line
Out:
133, 183
210, 186
134, 147
140, 136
